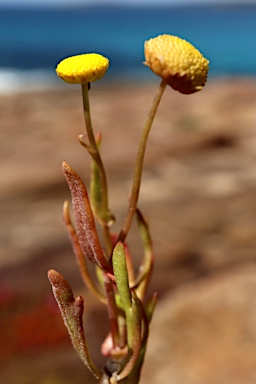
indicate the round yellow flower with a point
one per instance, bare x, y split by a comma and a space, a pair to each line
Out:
177, 62
82, 69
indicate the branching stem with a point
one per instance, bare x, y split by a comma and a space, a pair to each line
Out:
139, 163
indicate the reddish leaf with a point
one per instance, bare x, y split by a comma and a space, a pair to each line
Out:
85, 224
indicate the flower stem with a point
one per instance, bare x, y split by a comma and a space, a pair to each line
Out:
112, 310
139, 163
97, 158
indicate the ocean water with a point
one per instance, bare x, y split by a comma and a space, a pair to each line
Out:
33, 41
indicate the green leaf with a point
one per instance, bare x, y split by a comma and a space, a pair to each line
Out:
121, 275
132, 308
98, 200
95, 186
134, 324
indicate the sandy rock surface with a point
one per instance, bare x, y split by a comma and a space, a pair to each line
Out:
205, 332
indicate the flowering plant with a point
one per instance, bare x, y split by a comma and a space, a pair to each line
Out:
118, 287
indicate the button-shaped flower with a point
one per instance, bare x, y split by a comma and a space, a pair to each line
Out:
82, 69
177, 62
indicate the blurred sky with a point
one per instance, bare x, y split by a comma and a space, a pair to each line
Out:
119, 2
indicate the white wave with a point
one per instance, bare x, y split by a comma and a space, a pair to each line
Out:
14, 80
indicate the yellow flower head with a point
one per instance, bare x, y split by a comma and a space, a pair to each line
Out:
82, 68
177, 62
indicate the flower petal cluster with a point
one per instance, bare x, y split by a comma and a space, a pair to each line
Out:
177, 62
82, 69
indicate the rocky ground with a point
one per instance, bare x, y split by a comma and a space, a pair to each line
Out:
199, 194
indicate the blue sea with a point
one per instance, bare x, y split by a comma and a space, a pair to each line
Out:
34, 40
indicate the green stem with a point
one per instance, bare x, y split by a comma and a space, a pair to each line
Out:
96, 156
139, 163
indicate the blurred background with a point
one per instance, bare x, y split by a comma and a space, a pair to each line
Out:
198, 188
35, 36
